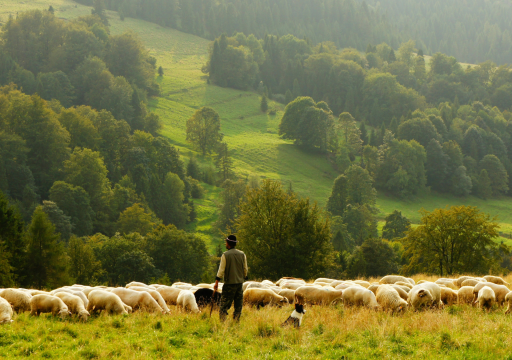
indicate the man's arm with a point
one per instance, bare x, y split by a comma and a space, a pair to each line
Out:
220, 273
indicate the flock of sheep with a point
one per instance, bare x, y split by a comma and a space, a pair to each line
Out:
392, 292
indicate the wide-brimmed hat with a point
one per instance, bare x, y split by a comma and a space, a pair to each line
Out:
231, 239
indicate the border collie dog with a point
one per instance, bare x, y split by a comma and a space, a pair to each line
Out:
295, 318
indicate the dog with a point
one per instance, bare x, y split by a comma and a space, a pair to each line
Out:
295, 318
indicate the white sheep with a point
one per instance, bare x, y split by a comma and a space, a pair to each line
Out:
389, 299
48, 304
465, 295
496, 280
486, 298
74, 304
448, 296
156, 295
187, 301
138, 299
391, 279
105, 300
360, 297
500, 291
20, 300
508, 299
5, 311
426, 294
169, 294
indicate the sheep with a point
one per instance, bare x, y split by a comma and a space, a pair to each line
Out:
419, 298
360, 297
402, 283
48, 304
263, 297
268, 282
80, 294
19, 299
470, 282
448, 283
496, 280
183, 287
373, 288
284, 279
461, 279
5, 312
104, 300
486, 298
317, 296
203, 286
255, 285
448, 296
401, 291
508, 299
156, 295
288, 294
137, 299
465, 295
364, 284
500, 291
135, 283
389, 299
291, 285
74, 304
187, 301
169, 294
391, 279
411, 281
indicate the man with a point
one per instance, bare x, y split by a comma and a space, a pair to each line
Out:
233, 267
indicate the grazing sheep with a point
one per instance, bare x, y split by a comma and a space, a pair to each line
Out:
138, 299
5, 311
74, 304
411, 281
360, 297
449, 283
448, 296
283, 279
500, 291
187, 301
288, 294
48, 304
430, 297
135, 283
373, 288
104, 300
80, 294
255, 285
20, 300
317, 296
204, 297
401, 283
401, 291
391, 279
486, 298
204, 286
389, 299
268, 283
364, 284
496, 280
183, 287
156, 295
263, 297
325, 280
465, 295
169, 294
470, 282
461, 279
291, 285
508, 299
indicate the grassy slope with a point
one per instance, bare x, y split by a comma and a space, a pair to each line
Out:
251, 135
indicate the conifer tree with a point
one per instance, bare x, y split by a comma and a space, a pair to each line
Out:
264, 104
364, 133
224, 163
160, 71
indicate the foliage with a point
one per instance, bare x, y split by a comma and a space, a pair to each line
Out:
135, 219
12, 243
83, 266
282, 234
46, 261
203, 130
396, 226
450, 241
61, 222
232, 196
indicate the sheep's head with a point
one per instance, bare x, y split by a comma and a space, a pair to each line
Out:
64, 313
84, 315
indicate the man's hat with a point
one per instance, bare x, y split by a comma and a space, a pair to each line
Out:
231, 239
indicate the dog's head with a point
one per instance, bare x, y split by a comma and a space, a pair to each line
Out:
300, 308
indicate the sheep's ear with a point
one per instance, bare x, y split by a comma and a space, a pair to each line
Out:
421, 293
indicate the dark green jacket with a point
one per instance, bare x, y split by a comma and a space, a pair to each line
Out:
233, 267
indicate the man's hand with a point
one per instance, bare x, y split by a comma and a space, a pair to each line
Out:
216, 286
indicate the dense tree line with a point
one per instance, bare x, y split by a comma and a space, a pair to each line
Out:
347, 23
79, 63
471, 30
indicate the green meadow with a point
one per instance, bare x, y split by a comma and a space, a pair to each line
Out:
252, 136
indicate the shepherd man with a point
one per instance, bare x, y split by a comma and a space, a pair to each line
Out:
233, 267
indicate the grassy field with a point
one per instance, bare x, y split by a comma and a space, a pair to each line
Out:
334, 332
251, 135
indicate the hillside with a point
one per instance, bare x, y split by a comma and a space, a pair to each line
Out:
252, 136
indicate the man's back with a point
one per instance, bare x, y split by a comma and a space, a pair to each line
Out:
236, 265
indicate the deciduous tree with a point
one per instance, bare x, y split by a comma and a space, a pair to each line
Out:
203, 130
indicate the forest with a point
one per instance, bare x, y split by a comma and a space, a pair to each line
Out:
92, 192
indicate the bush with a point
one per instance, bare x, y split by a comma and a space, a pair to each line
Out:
196, 190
